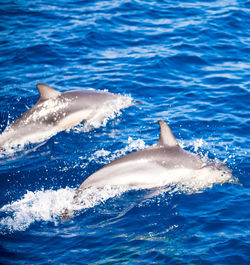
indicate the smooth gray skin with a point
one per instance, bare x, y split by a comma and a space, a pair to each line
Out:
142, 169
156, 166
56, 111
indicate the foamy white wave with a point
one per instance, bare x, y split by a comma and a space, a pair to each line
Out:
108, 156
203, 148
109, 110
134, 145
196, 144
35, 206
49, 205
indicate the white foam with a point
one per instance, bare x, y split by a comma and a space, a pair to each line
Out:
49, 205
108, 156
195, 144
109, 110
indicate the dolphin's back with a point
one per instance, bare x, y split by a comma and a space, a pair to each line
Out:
57, 111
172, 157
52, 110
143, 168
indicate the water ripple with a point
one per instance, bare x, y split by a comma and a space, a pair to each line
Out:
188, 63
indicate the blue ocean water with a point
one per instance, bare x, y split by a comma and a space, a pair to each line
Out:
188, 63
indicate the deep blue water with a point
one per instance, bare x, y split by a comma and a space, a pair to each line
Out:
188, 63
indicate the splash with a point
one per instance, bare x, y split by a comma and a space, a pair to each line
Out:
32, 133
49, 205
108, 156
196, 144
110, 110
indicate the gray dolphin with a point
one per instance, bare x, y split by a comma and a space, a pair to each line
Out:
158, 165
56, 111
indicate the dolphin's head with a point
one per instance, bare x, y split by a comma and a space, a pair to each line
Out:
217, 171
217, 165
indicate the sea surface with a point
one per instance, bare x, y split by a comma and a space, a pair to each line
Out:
185, 62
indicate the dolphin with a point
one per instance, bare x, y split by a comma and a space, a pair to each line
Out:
162, 164
158, 165
56, 111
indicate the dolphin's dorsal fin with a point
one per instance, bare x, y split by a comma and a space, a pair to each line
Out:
166, 136
46, 92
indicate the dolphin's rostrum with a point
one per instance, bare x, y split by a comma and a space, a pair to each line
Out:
56, 111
